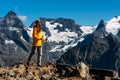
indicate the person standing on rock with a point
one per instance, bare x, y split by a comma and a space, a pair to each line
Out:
37, 42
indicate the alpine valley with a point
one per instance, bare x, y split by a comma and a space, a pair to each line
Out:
68, 42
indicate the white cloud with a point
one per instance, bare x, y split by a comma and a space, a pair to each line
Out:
23, 18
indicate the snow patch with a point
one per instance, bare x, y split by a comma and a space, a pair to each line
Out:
13, 28
9, 42
22, 38
10, 22
113, 25
61, 36
87, 29
29, 31
80, 40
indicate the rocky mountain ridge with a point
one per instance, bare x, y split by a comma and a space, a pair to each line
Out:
50, 71
99, 49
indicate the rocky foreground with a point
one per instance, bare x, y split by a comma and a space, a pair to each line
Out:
52, 72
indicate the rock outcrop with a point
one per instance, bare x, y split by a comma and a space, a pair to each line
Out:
51, 71
48, 71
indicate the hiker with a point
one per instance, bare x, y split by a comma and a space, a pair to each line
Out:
37, 42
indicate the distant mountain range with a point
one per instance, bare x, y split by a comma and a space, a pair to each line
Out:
16, 39
98, 49
68, 42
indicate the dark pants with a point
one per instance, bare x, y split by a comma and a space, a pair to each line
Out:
33, 52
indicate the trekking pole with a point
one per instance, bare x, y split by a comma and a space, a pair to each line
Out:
46, 53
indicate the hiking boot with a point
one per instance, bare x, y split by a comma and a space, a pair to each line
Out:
38, 65
27, 63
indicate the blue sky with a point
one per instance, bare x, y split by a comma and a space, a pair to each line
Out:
84, 12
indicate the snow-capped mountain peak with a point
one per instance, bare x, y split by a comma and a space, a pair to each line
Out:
113, 25
63, 36
11, 14
87, 30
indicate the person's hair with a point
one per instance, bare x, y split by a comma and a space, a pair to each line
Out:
36, 22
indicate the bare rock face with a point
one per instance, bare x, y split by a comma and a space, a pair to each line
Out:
51, 71
83, 70
48, 71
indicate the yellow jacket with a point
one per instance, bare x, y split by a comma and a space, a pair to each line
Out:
37, 37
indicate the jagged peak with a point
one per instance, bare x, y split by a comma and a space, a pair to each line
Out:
101, 25
11, 14
113, 25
